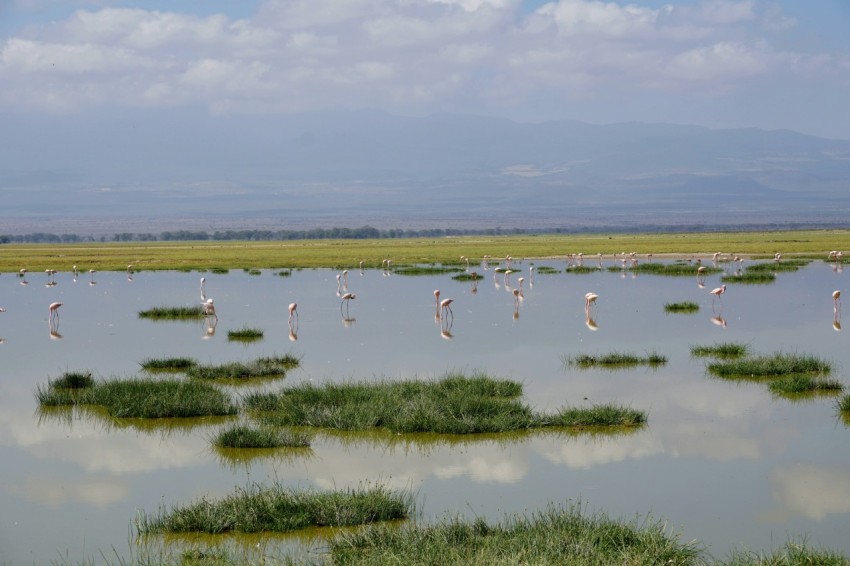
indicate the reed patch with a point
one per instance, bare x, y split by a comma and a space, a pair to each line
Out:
721, 350
244, 436
803, 384
615, 360
277, 508
456, 404
245, 334
173, 313
687, 307
261, 368
177, 364
777, 364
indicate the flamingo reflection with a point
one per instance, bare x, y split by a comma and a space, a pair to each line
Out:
590, 322
719, 321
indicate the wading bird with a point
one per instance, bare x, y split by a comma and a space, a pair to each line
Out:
209, 308
717, 292
203, 288
446, 305
836, 300
293, 311
345, 300
516, 302
53, 312
589, 301
437, 303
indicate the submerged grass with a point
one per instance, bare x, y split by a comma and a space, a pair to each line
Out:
799, 384
615, 359
682, 307
279, 509
751, 277
581, 269
173, 313
456, 404
556, 535
778, 364
426, 270
265, 367
145, 398
245, 335
547, 270
167, 364
472, 276
721, 350
243, 436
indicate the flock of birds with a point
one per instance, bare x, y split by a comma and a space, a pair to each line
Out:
443, 307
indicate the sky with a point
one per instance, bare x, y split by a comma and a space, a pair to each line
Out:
772, 64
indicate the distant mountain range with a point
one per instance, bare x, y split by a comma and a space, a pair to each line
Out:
168, 170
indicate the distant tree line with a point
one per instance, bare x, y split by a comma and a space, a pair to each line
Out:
364, 232
369, 232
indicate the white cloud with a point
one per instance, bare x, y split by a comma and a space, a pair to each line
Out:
404, 55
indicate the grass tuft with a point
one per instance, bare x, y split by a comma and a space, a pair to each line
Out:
245, 335
145, 398
261, 368
778, 364
456, 404
73, 380
279, 509
799, 384
721, 350
682, 307
172, 313
615, 359
242, 436
750, 277
167, 364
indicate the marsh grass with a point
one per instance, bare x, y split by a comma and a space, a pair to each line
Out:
455, 404
721, 350
556, 535
173, 313
145, 398
598, 416
253, 271
791, 554
280, 509
426, 270
220, 270
547, 270
243, 436
682, 307
615, 359
581, 269
167, 364
843, 405
284, 273
73, 380
676, 269
468, 277
801, 384
750, 277
245, 335
261, 368
774, 266
778, 364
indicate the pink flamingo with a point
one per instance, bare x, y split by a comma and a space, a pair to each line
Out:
717, 292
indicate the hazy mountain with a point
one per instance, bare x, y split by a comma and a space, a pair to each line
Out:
349, 169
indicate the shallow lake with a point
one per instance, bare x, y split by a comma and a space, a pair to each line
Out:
721, 461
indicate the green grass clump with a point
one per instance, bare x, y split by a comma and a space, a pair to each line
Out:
798, 384
677, 269
220, 270
777, 364
684, 306
547, 270
284, 273
455, 404
556, 535
279, 509
774, 266
267, 367
426, 270
241, 436
173, 313
253, 271
792, 554
73, 380
598, 416
750, 277
472, 276
245, 334
615, 359
146, 398
167, 364
844, 405
721, 350
582, 269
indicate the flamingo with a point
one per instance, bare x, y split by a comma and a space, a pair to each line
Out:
345, 278
53, 312
338, 283
209, 308
345, 299
293, 311
717, 292
836, 300
203, 288
589, 301
521, 280
437, 302
446, 305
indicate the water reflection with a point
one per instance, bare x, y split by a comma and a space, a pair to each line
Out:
717, 433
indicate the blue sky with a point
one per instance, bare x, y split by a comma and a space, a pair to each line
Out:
773, 64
